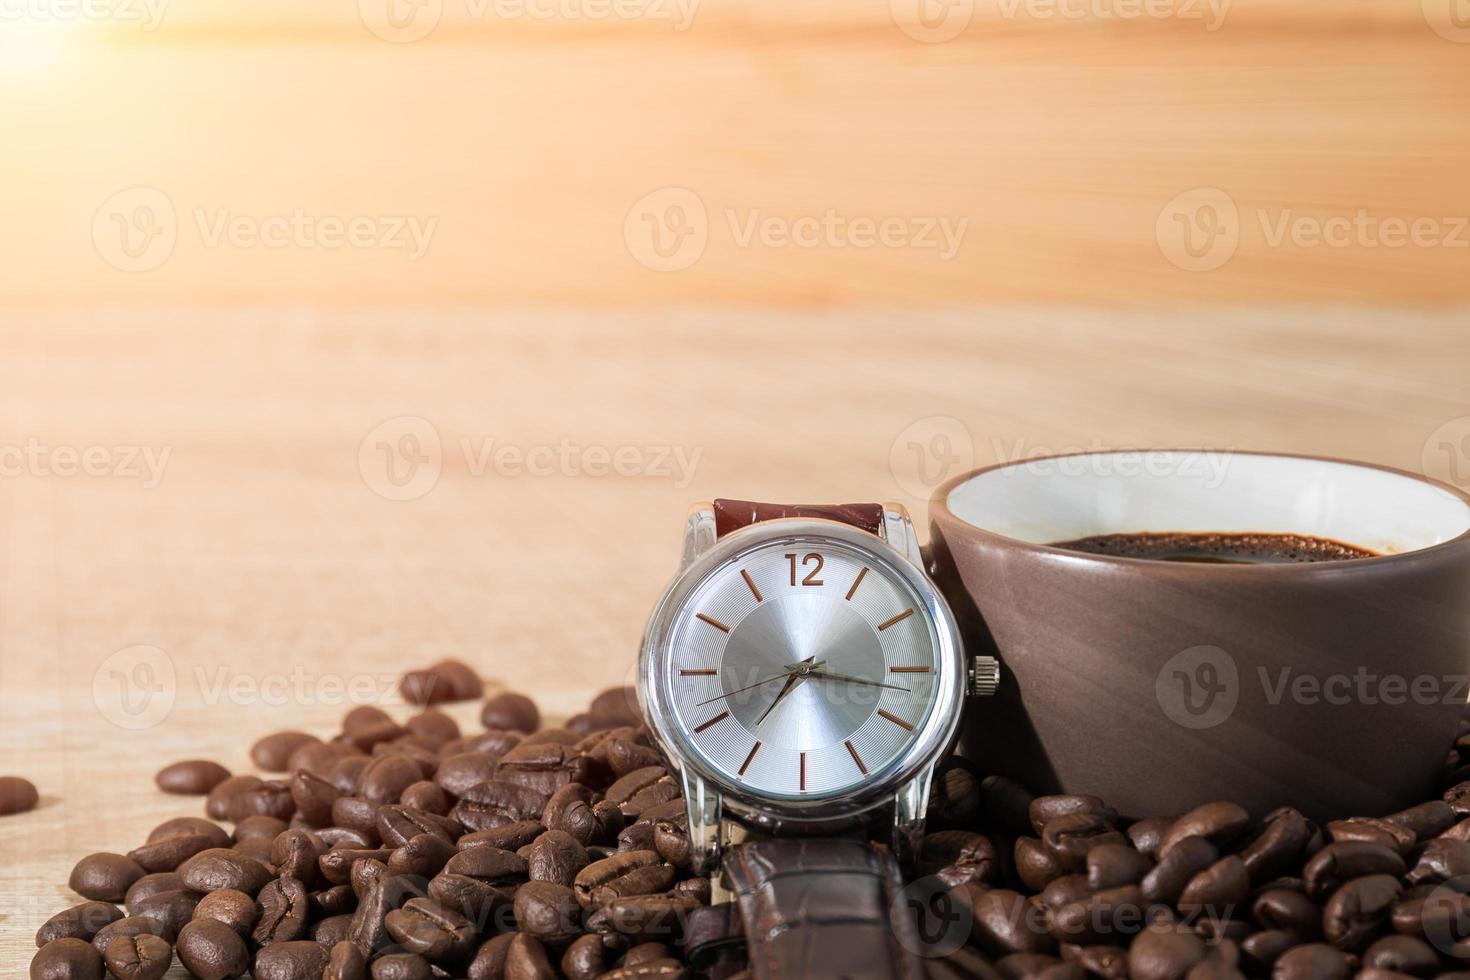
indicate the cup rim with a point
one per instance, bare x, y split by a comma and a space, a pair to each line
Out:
939, 511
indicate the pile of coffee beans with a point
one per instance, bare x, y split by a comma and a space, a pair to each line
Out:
400, 851
409, 850
1062, 888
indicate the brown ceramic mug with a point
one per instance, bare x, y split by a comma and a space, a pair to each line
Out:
1334, 686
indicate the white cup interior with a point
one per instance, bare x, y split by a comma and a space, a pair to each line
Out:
1064, 498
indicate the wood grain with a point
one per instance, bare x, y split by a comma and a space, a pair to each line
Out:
277, 585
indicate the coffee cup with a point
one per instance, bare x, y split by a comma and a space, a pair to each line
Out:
1332, 685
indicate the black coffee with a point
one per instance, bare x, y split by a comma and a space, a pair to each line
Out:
1218, 548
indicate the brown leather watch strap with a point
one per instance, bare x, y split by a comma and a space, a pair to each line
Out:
731, 515
822, 908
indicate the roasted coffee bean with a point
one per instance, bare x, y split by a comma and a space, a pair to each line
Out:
555, 856
1112, 865
1339, 862
319, 758
1314, 961
426, 796
182, 826
460, 772
526, 959
336, 865
1069, 837
297, 854
642, 790
671, 969
1064, 890
1288, 910
1108, 962
640, 918
271, 798
313, 797
260, 826
423, 857
1358, 911
356, 813
548, 911
1044, 809
445, 681
303, 960
283, 912
628, 873
365, 716
331, 837
489, 961
1217, 891
570, 809
345, 963
1166, 951
230, 907
401, 966
222, 801
496, 803
17, 795
270, 754
511, 712
542, 766
1440, 860
1148, 834
152, 884
1005, 924
1426, 820
172, 910
437, 933
141, 957
1035, 865
1402, 954
585, 958
954, 856
1278, 848
697, 889
333, 929
212, 950
346, 774
387, 776
169, 853
625, 755
78, 922
104, 877
397, 825
382, 895
219, 868
132, 925
1373, 831
483, 903
1099, 917
193, 777
66, 959
1220, 823
1260, 950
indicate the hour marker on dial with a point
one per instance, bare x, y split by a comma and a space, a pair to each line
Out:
857, 581
895, 619
803, 772
908, 670
855, 757
713, 721
751, 582
721, 626
748, 759
896, 720
698, 672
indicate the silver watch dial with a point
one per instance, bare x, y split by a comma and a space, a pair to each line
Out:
801, 669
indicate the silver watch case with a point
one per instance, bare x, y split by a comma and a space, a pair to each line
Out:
904, 781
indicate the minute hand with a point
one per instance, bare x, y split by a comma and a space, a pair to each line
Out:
854, 680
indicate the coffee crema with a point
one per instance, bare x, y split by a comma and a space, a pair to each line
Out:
1215, 547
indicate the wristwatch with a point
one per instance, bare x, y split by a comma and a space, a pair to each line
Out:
804, 676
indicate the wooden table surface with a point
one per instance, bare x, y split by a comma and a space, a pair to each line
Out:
265, 576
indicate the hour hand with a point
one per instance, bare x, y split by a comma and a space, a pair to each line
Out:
795, 673
848, 678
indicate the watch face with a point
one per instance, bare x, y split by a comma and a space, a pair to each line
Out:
801, 668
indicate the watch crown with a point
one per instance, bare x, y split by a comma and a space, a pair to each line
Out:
984, 677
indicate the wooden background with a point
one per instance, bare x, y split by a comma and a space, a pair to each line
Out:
273, 571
